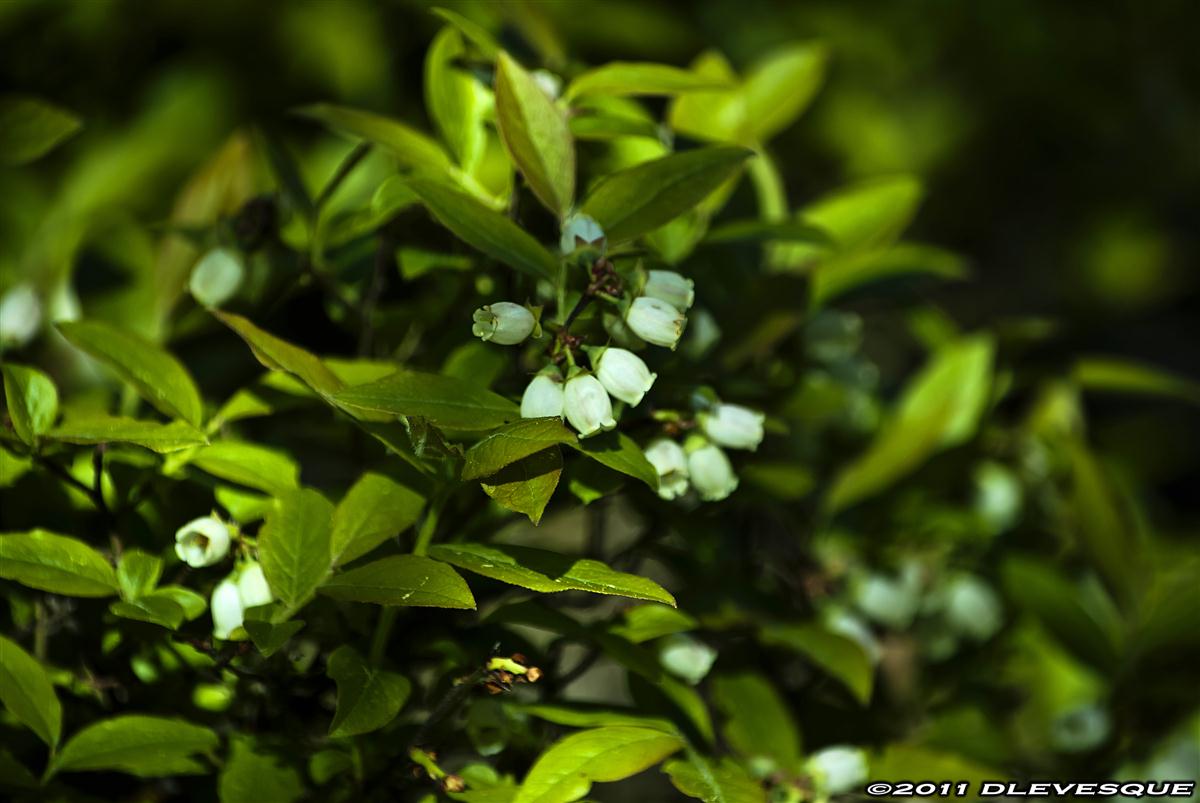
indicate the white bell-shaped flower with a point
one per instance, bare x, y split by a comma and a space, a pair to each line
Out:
504, 322
543, 396
216, 277
624, 375
655, 321
202, 542
20, 315
579, 229
711, 473
227, 608
838, 769
587, 406
671, 463
252, 586
671, 287
733, 426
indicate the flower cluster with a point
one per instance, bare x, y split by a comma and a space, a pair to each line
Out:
205, 542
700, 462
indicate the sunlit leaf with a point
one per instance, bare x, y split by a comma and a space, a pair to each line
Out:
640, 78
526, 485
837, 655
26, 691
161, 438
373, 510
32, 401
56, 563
566, 771
145, 746
714, 781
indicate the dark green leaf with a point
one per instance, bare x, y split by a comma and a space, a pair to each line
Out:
161, 438
154, 373
640, 78
253, 775
527, 485
486, 229
367, 698
756, 230
444, 400
536, 135
267, 636
373, 510
840, 276
513, 442
31, 128
56, 563
32, 401
566, 771
714, 782
279, 355
841, 657
545, 571
145, 746
402, 580
642, 198
26, 691
294, 545
758, 724
1115, 375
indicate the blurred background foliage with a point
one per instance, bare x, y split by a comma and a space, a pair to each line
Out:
1058, 147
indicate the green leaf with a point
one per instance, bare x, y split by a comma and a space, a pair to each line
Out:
758, 724
249, 464
545, 571
455, 100
620, 453
780, 86
253, 775
32, 401
138, 573
483, 41
192, 603
154, 373
536, 135
639, 199
840, 276
1115, 375
526, 485
597, 125
1103, 524
26, 691
373, 510
268, 636
940, 407
367, 698
865, 215
161, 438
898, 762
444, 400
294, 545
712, 781
715, 115
476, 362
513, 442
146, 746
156, 610
843, 658
486, 229
737, 231
412, 148
55, 563
402, 580
279, 355
31, 128
624, 78
647, 622
566, 771
584, 716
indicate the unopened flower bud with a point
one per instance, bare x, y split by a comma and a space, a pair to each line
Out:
671, 463
733, 426
624, 375
216, 277
669, 286
227, 609
20, 316
655, 321
543, 397
837, 769
504, 322
202, 542
579, 229
711, 473
587, 406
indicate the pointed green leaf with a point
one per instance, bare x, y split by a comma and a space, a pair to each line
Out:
717, 115
373, 510
486, 229
869, 214
32, 401
641, 78
444, 400
780, 86
547, 572
294, 545
620, 453
138, 573
161, 438
483, 41
192, 603
249, 464
566, 771
758, 722
279, 355
269, 636
526, 485
402, 580
581, 715
940, 407
513, 442
455, 100
26, 691
254, 775
840, 276
714, 781
647, 622
843, 658
535, 133
56, 563
154, 373
1115, 375
155, 610
367, 698
412, 148
146, 746
31, 128
642, 198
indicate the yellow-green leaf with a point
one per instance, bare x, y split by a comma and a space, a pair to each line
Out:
536, 135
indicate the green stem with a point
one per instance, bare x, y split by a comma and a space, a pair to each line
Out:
429, 525
383, 631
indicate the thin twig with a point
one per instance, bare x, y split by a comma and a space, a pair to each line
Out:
344, 169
